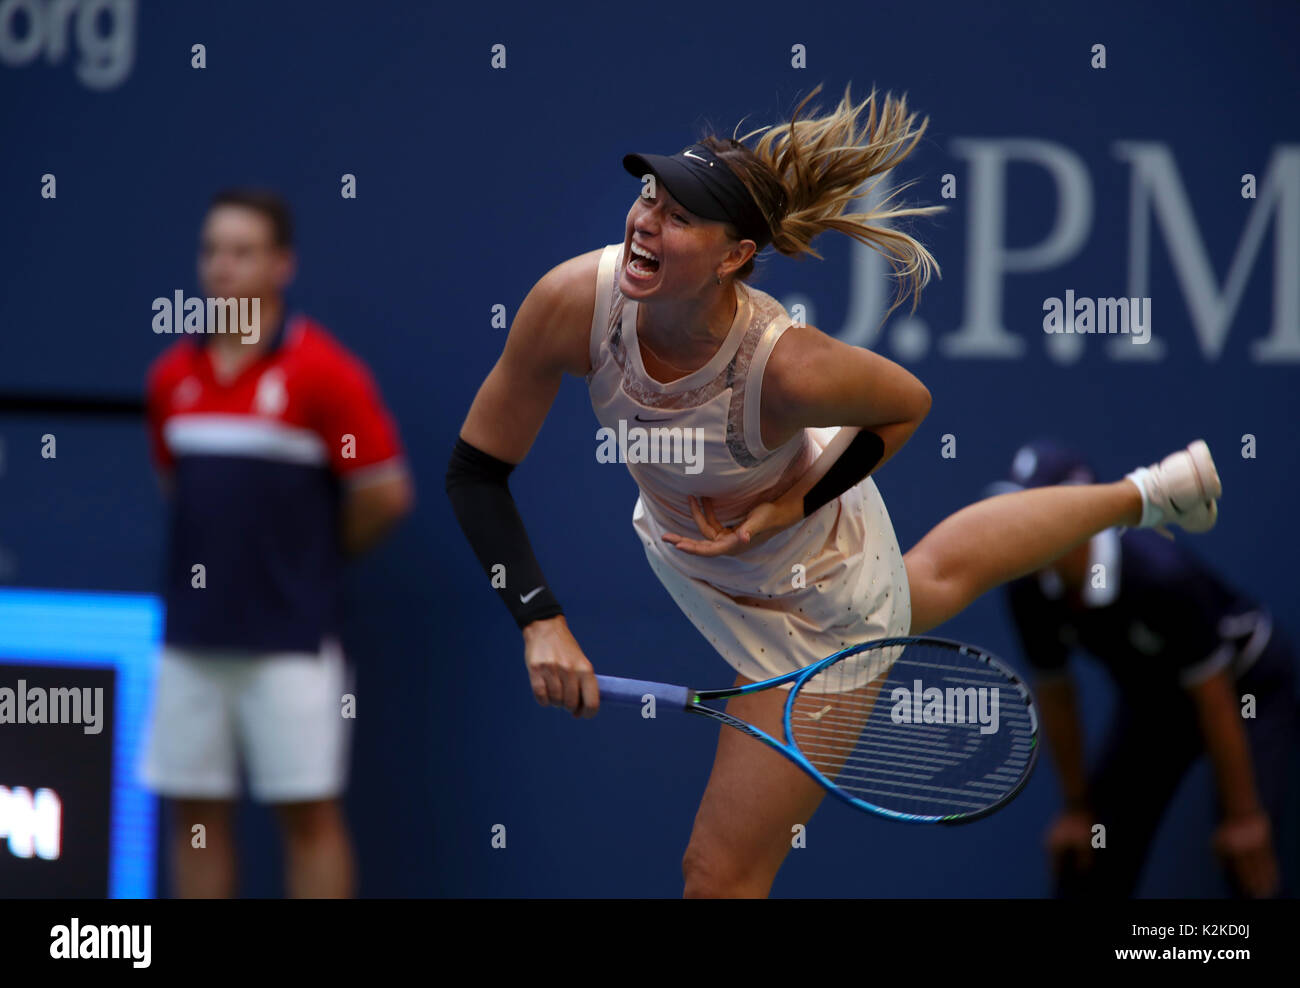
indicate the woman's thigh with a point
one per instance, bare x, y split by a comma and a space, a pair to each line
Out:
933, 600
754, 799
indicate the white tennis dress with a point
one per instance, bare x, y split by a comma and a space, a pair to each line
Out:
834, 579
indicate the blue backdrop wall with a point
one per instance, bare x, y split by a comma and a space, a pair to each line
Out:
472, 181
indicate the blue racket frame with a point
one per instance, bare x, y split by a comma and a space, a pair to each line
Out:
632, 691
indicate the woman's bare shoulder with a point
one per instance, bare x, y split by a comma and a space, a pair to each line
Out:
797, 362
560, 309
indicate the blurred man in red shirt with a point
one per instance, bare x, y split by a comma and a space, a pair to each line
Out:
280, 460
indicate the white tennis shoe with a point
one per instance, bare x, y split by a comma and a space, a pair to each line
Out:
1182, 489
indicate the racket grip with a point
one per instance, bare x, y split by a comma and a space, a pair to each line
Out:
615, 689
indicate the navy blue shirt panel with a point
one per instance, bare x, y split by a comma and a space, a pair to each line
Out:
262, 531
1167, 618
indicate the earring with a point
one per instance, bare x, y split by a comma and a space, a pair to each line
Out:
719, 277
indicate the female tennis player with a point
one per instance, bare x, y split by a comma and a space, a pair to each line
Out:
770, 534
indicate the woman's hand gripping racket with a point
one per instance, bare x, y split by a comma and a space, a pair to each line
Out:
923, 730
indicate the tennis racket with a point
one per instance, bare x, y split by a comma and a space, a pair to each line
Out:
922, 730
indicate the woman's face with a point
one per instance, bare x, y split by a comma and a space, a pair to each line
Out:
688, 249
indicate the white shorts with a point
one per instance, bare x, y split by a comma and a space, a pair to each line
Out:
280, 713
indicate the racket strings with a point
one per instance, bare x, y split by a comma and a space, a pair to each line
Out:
918, 729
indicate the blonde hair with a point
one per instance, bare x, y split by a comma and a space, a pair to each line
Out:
803, 174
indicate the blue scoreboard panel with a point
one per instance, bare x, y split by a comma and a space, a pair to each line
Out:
76, 673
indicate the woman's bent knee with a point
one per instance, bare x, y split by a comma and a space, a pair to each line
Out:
717, 874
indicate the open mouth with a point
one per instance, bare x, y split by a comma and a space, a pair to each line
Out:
641, 263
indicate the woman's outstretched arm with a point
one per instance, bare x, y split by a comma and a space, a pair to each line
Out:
548, 338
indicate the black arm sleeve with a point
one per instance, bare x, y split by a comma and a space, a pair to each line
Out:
480, 497
858, 459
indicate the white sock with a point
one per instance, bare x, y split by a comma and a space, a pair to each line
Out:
1151, 514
